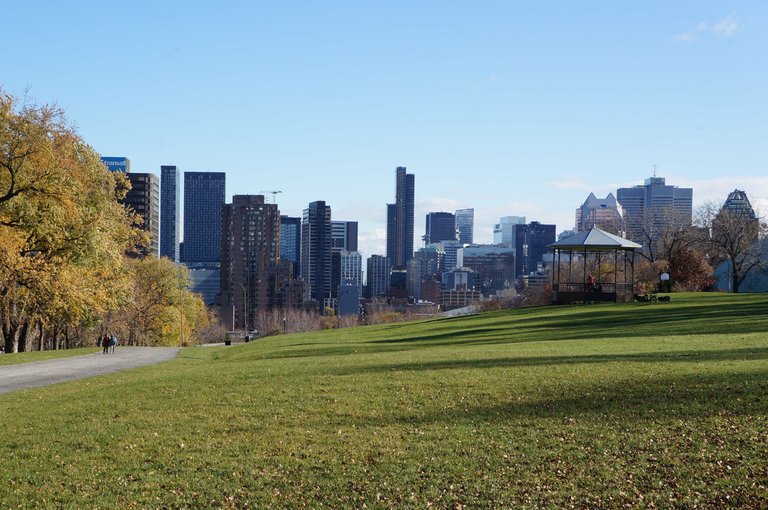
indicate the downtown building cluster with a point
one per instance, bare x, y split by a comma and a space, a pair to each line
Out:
247, 258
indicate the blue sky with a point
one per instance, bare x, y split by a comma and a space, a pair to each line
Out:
513, 108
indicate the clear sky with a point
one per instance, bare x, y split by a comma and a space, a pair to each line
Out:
511, 107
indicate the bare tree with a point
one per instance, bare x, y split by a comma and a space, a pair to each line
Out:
732, 236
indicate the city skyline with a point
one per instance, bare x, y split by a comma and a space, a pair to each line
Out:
513, 110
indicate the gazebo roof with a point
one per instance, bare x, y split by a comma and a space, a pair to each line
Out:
595, 239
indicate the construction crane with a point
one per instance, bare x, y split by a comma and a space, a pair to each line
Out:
274, 194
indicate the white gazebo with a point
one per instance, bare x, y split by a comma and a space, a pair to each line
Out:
597, 247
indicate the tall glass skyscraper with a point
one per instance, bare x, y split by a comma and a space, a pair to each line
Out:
290, 242
316, 243
401, 218
465, 225
170, 211
441, 226
203, 200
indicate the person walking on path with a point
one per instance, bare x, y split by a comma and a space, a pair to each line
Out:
105, 344
112, 344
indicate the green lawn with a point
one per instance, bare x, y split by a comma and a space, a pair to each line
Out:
614, 406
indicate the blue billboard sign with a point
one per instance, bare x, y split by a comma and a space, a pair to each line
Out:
117, 164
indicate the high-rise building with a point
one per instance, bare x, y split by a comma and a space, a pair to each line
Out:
426, 265
203, 201
441, 226
316, 244
450, 257
493, 266
144, 199
603, 213
352, 267
344, 238
250, 250
400, 219
653, 206
170, 211
737, 202
344, 234
465, 225
290, 242
504, 230
532, 241
377, 276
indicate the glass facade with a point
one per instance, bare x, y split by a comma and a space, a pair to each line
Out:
203, 200
170, 211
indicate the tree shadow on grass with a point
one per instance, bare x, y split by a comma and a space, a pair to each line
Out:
745, 354
621, 322
677, 397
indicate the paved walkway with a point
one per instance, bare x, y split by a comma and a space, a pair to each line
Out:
42, 373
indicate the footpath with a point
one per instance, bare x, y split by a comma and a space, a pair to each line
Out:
43, 373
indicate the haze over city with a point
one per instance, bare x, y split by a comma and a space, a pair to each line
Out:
510, 109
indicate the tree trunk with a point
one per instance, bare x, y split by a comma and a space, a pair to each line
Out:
42, 338
735, 280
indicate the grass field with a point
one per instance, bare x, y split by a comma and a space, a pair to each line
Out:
600, 406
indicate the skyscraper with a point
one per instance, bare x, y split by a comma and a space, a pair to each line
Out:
504, 230
344, 234
493, 265
203, 201
531, 242
604, 213
441, 226
465, 225
170, 211
316, 243
144, 199
290, 242
250, 250
653, 206
344, 238
377, 276
400, 219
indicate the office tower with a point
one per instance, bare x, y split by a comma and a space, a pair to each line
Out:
465, 225
493, 266
349, 298
203, 201
344, 234
737, 202
737, 226
377, 275
350, 286
117, 164
653, 206
170, 211
504, 230
441, 226
426, 265
391, 232
316, 243
290, 242
250, 251
144, 199
352, 267
603, 213
450, 250
344, 238
532, 241
400, 220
